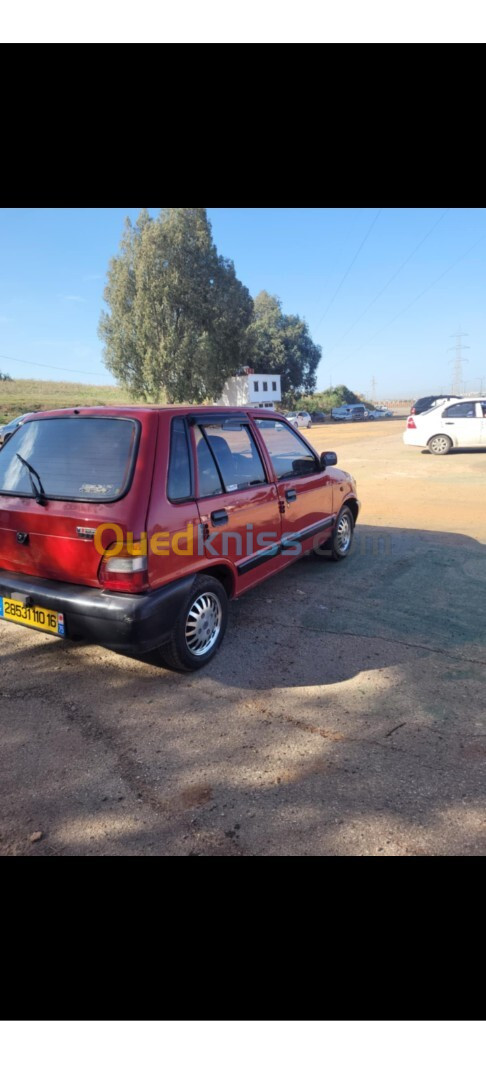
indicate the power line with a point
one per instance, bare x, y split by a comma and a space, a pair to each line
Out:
33, 363
350, 267
392, 278
416, 298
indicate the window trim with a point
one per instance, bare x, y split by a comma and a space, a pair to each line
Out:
245, 422
76, 498
191, 496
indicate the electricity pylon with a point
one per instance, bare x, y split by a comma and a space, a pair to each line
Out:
456, 387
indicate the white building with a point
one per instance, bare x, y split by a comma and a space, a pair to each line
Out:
251, 389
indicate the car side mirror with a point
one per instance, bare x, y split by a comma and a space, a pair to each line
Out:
327, 458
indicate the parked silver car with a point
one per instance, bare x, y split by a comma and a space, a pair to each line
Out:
6, 430
380, 413
349, 412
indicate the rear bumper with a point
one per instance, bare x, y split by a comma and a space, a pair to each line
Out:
136, 623
413, 437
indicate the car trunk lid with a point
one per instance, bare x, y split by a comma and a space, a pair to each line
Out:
111, 461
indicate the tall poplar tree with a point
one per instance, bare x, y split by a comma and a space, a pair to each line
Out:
177, 313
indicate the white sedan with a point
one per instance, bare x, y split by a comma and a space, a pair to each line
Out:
300, 419
443, 427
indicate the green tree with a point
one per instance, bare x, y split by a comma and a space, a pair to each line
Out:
327, 399
177, 314
282, 343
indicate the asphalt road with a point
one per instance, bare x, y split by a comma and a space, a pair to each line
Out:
344, 714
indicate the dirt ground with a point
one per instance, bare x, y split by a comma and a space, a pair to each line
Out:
344, 714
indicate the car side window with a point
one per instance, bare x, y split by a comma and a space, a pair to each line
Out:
235, 454
179, 480
462, 408
209, 480
290, 456
483, 407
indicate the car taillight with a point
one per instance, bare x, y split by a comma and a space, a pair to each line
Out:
125, 571
411, 422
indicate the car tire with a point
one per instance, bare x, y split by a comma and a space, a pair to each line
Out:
309, 424
439, 444
199, 628
342, 537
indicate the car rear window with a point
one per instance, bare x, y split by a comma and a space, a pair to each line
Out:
85, 458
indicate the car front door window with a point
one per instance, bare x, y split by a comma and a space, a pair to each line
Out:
288, 452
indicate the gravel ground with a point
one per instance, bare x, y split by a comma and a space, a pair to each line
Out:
343, 715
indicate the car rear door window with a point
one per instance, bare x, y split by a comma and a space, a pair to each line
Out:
289, 454
209, 480
228, 458
179, 481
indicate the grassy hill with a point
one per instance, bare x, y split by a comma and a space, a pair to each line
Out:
28, 395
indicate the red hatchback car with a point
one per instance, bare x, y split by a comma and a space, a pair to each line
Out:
134, 526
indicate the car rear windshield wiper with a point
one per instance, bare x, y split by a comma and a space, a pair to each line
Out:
38, 492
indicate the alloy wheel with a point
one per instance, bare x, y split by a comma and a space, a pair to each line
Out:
203, 623
343, 534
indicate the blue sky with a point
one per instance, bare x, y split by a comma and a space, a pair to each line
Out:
334, 267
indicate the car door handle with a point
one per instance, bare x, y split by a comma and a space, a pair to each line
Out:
219, 517
449, 423
291, 495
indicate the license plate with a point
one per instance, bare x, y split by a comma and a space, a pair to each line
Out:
38, 618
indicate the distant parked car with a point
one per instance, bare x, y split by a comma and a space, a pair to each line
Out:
379, 413
349, 412
300, 419
431, 401
8, 429
318, 417
357, 412
462, 423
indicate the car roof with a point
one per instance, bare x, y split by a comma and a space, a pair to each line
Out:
461, 400
139, 411
435, 397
